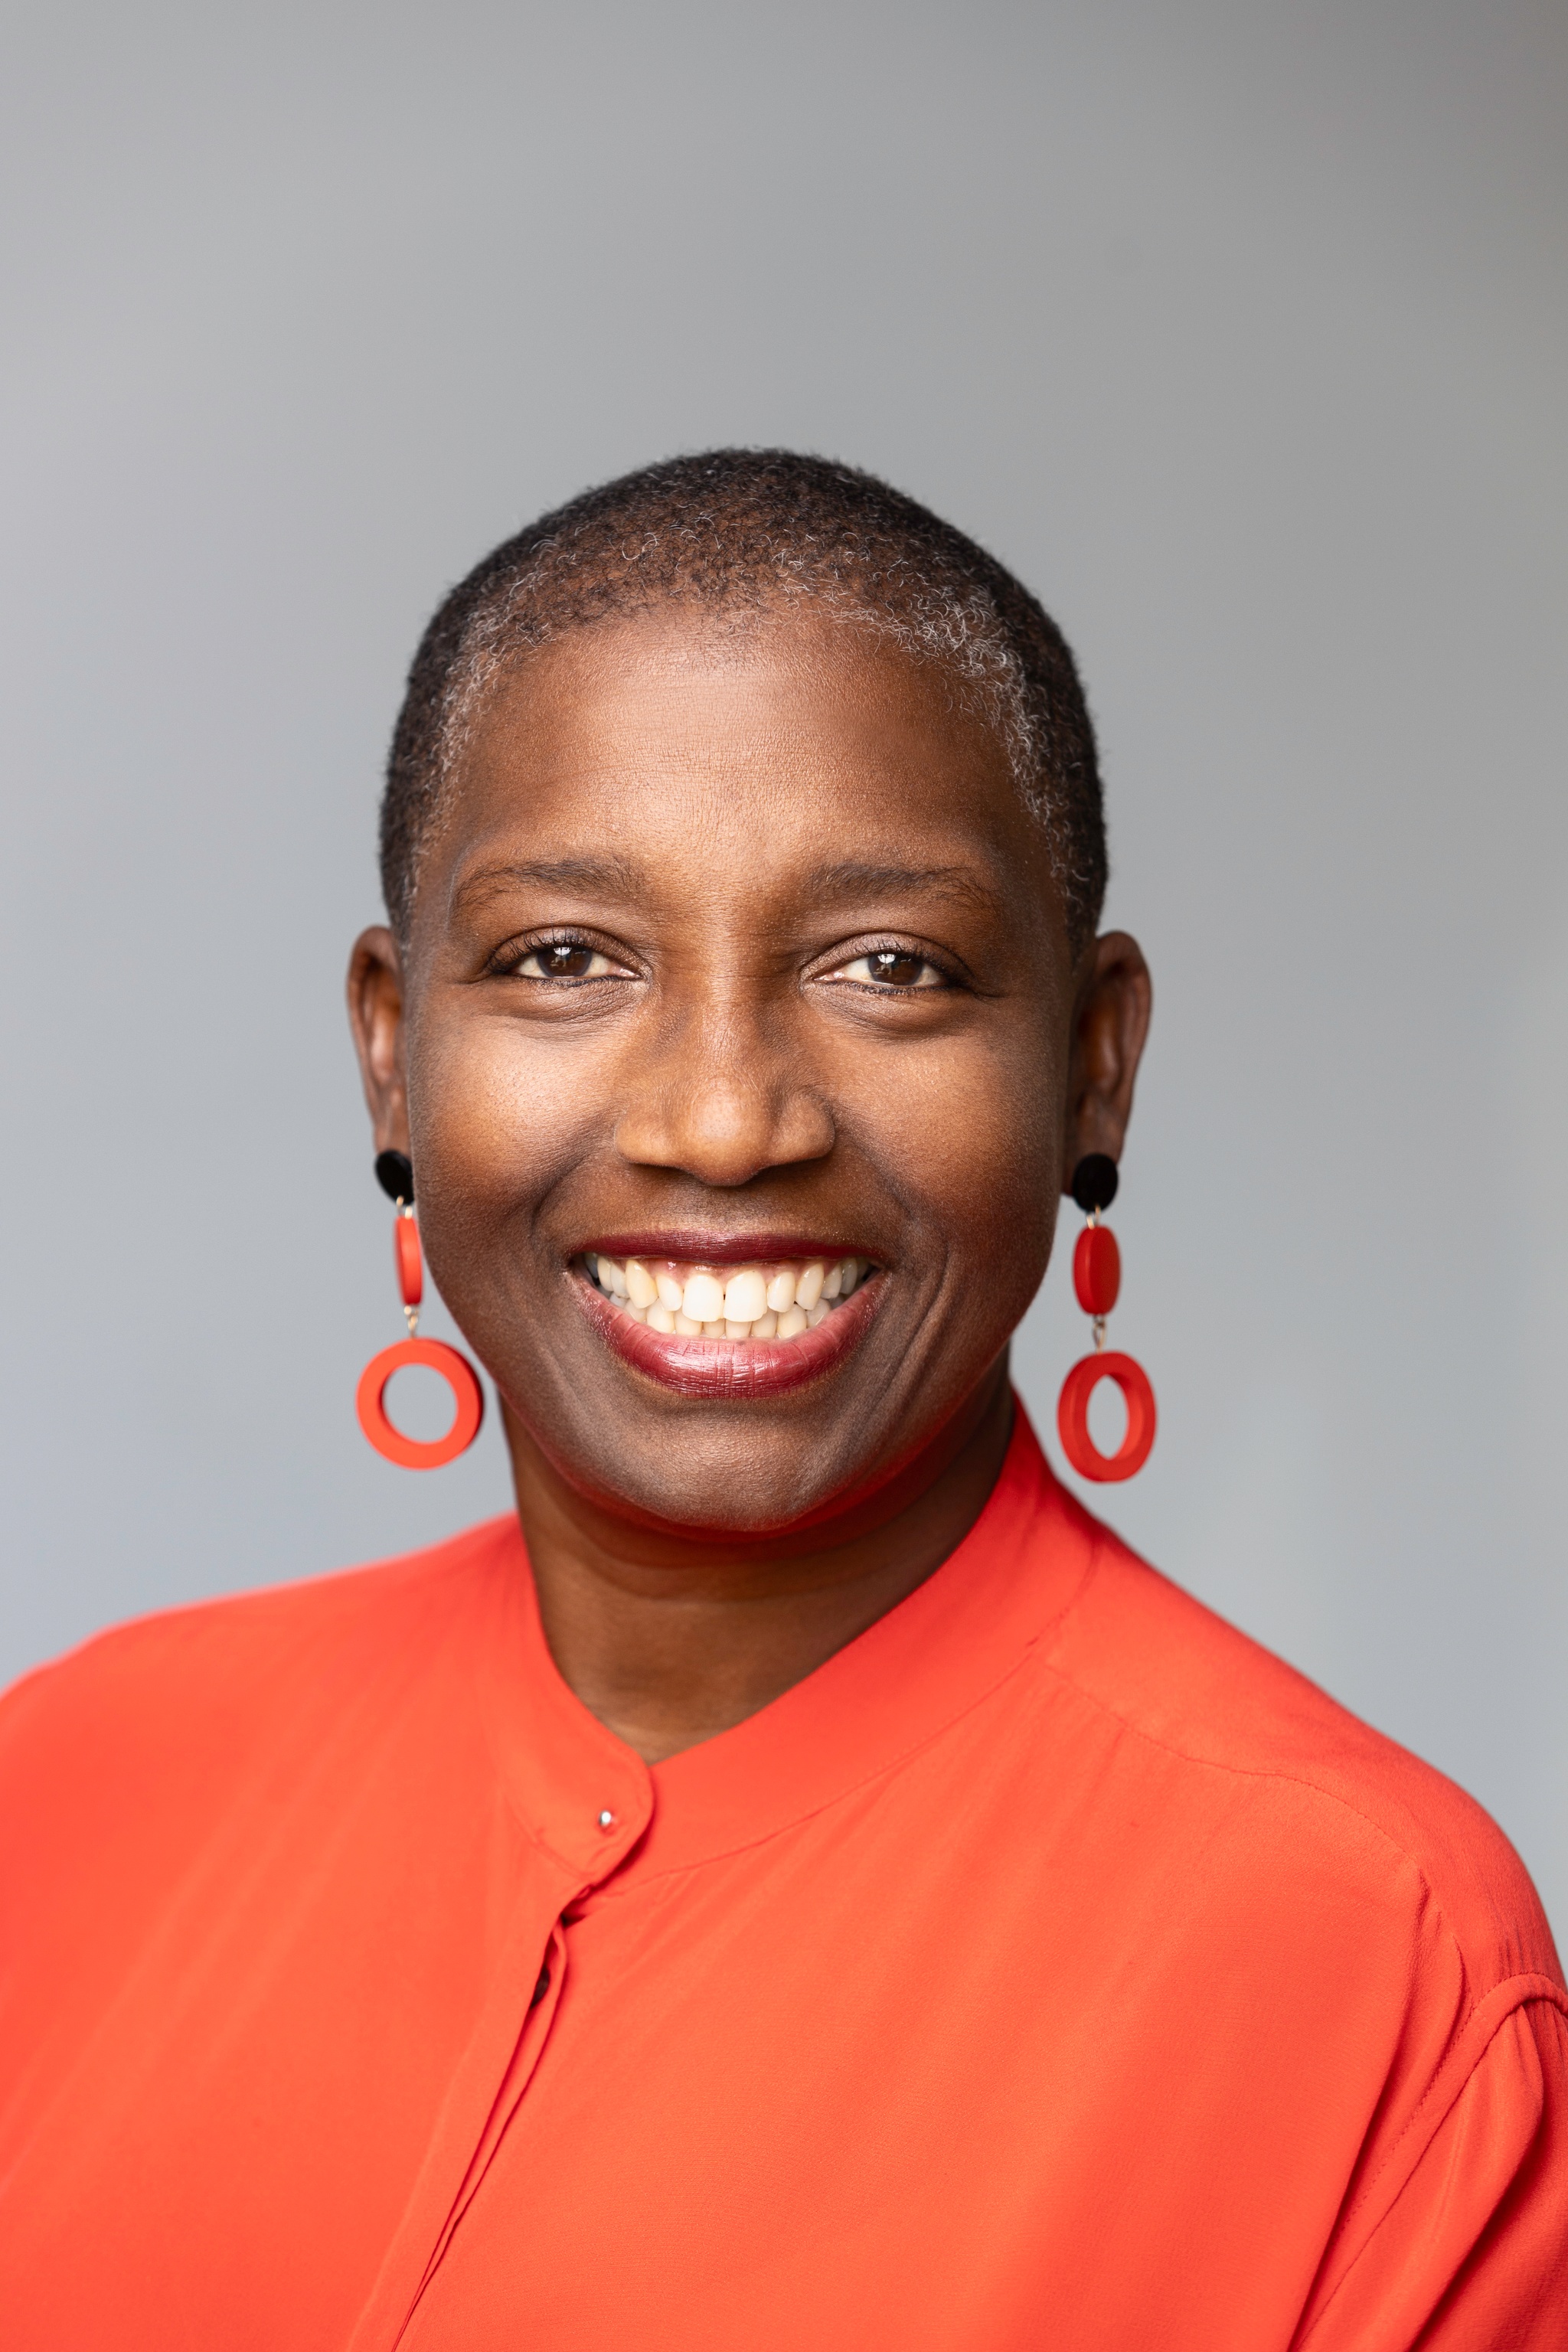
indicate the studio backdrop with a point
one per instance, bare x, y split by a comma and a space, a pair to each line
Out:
1239, 332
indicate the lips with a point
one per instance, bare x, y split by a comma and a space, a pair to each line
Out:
720, 1368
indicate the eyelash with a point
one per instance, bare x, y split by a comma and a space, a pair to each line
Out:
904, 953
508, 964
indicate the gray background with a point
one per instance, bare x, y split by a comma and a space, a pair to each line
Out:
1238, 330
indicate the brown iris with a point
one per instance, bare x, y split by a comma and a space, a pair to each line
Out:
899, 968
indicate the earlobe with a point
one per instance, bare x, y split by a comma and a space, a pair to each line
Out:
1109, 1026
375, 1016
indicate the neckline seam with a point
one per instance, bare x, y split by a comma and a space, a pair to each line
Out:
1033, 1643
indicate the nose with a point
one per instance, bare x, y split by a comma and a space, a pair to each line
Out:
715, 1098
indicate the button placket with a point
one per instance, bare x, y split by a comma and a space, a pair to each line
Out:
533, 2034
613, 1839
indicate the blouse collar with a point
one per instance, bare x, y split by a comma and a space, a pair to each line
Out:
601, 1811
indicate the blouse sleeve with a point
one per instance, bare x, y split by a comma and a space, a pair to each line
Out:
1472, 2255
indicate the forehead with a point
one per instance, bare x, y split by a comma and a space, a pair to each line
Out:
678, 735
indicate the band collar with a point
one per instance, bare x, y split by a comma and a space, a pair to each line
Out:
593, 1804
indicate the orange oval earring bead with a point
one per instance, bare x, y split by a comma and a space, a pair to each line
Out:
410, 1257
394, 1174
1097, 1270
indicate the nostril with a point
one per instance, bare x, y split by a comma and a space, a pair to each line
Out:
722, 1135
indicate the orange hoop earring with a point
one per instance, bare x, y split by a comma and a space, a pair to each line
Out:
1097, 1279
395, 1173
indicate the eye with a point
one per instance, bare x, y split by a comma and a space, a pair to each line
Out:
564, 959
898, 967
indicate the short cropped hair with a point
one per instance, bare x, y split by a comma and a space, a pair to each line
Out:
760, 531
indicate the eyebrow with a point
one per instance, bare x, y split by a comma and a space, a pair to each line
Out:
601, 877
620, 878
854, 879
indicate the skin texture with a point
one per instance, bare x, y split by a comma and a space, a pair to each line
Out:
720, 817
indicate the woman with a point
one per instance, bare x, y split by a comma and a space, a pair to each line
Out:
801, 1881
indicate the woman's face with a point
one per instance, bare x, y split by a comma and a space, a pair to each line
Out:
735, 956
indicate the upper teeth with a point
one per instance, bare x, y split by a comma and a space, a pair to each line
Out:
744, 1302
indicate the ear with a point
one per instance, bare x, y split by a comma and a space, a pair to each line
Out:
1110, 1023
375, 1016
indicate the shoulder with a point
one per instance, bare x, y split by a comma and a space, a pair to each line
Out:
1349, 1810
189, 1687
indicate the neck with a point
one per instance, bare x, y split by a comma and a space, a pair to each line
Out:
669, 1640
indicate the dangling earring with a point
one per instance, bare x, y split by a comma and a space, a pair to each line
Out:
1097, 1278
395, 1173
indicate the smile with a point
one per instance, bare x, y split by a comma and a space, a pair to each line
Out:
775, 1299
720, 1327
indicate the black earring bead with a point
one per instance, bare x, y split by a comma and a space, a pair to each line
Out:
1094, 1181
394, 1174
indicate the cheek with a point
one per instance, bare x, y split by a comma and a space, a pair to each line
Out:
497, 1116
969, 1132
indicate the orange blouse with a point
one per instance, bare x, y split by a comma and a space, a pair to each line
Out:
1052, 1966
